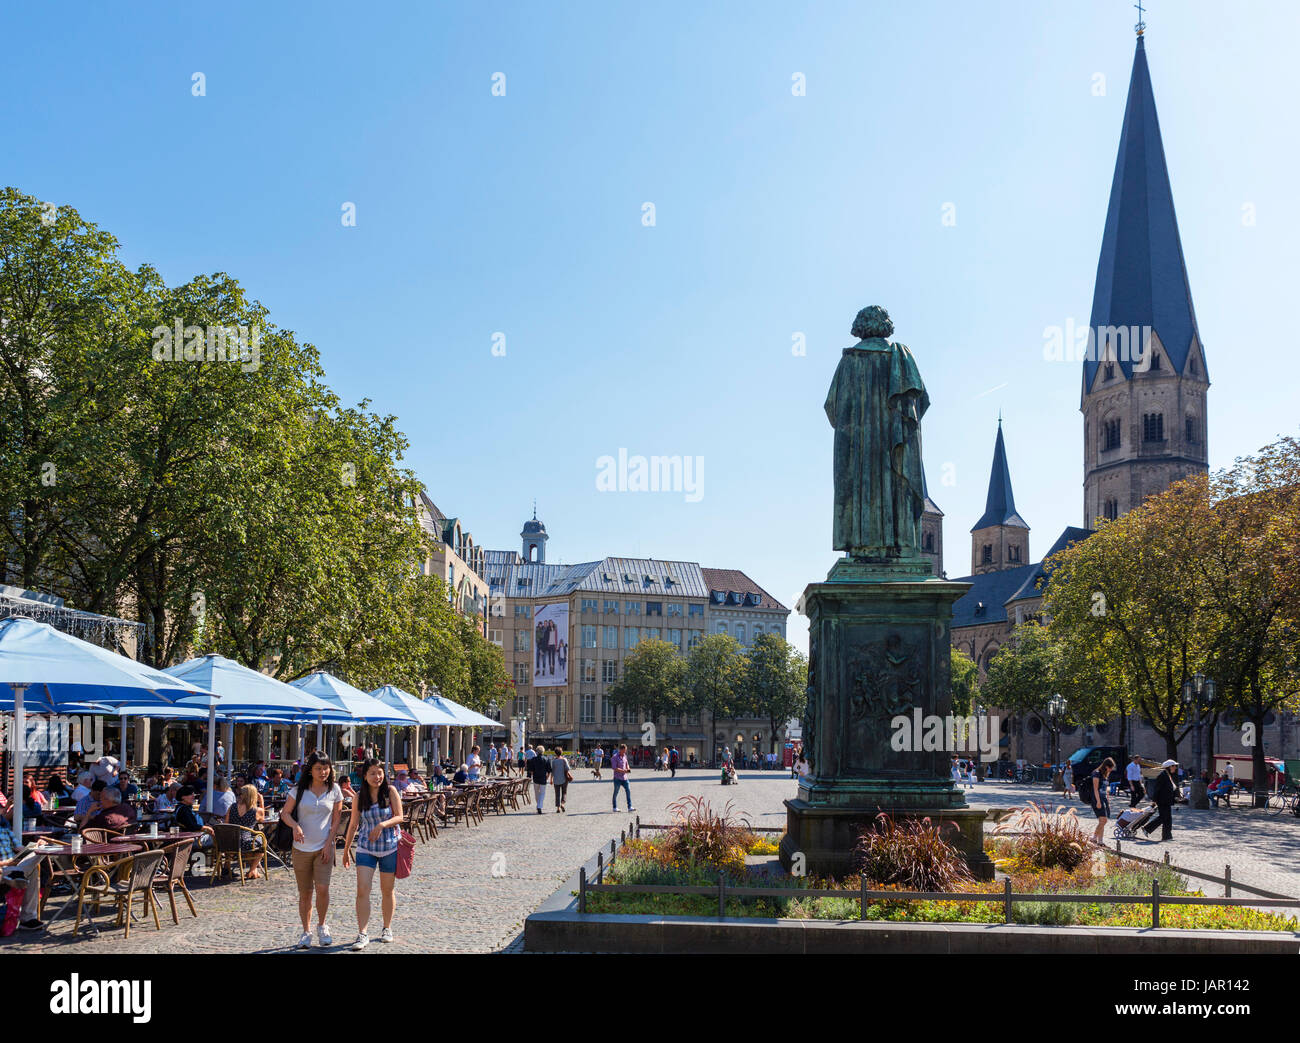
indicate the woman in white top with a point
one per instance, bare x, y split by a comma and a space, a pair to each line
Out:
313, 810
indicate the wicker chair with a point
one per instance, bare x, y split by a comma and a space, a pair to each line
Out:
172, 876
494, 797
98, 835
474, 806
121, 881
228, 849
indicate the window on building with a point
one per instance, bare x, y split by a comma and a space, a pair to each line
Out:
608, 711
652, 633
673, 719
561, 709
524, 610
589, 670
1153, 427
611, 608
541, 708
696, 637
587, 704
675, 638
523, 640
1110, 434
693, 717
521, 706
630, 715
988, 554
1112, 509
496, 637
929, 541
589, 605
674, 609
1155, 360
722, 627
521, 673
740, 632
695, 610
1109, 371
654, 608
610, 637
609, 670
1014, 552
588, 637
1191, 429
631, 637
631, 608
1194, 369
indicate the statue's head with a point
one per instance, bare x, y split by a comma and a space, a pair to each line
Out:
872, 322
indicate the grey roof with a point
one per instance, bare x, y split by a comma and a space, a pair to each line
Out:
1141, 274
986, 601
1000, 506
631, 577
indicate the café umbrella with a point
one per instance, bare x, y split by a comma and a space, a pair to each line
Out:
359, 706
237, 690
49, 672
425, 714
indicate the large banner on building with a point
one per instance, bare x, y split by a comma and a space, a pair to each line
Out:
551, 645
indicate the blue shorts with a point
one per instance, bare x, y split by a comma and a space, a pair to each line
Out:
385, 863
1102, 811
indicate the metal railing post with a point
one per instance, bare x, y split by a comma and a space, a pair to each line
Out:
582, 890
862, 915
1227, 881
722, 896
1155, 903
1006, 899
638, 827
600, 867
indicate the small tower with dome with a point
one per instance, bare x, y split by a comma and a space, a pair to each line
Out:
534, 539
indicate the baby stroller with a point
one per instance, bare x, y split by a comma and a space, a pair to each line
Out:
728, 774
1130, 821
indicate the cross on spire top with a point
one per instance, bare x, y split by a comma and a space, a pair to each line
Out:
1140, 28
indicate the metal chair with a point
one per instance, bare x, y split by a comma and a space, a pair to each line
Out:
121, 881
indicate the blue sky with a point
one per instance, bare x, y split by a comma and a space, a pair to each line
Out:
775, 215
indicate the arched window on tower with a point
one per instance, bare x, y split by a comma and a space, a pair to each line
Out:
1110, 434
988, 554
1191, 430
1112, 509
1014, 552
1110, 371
1153, 427
929, 541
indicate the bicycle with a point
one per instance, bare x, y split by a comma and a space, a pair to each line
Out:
1286, 799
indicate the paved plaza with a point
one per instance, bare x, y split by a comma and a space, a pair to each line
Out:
472, 887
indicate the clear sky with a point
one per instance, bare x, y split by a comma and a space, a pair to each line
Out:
775, 215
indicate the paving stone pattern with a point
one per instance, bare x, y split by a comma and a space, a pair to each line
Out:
453, 903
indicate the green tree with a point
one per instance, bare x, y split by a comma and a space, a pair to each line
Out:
652, 682
715, 674
965, 683
775, 681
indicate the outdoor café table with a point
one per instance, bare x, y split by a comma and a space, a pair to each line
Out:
162, 839
36, 834
92, 850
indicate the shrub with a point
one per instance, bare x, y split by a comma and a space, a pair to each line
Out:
701, 836
1053, 840
911, 854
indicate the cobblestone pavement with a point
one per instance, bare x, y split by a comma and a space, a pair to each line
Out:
452, 902
1263, 850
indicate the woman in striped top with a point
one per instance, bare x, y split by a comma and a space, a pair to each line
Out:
376, 823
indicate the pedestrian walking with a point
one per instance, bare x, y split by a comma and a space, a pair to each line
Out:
1164, 791
597, 756
376, 823
1067, 780
674, 758
539, 768
560, 776
1134, 775
491, 759
1099, 798
313, 811
622, 769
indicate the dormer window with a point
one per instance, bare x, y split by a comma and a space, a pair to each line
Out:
1155, 360
1109, 372
979, 608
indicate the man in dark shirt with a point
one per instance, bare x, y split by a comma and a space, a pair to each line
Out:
112, 814
539, 769
187, 818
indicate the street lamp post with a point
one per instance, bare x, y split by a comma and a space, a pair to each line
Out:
1055, 712
1198, 690
980, 714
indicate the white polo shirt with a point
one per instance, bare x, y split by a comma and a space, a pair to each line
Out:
314, 815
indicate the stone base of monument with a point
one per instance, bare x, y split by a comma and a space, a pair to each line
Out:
825, 836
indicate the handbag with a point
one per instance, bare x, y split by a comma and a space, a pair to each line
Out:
12, 910
405, 855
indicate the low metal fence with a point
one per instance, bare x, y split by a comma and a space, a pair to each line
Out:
865, 896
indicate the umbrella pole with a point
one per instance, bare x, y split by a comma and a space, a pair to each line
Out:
121, 751
388, 746
19, 745
230, 747
212, 751
320, 732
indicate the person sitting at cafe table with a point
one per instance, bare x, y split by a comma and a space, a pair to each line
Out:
417, 783
33, 799
461, 776
222, 798
90, 805
166, 800
248, 811
403, 782
345, 787
21, 864
113, 813
187, 818
127, 787
439, 777
279, 785
84, 780
57, 789
259, 781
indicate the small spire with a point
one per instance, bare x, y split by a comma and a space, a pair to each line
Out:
1141, 27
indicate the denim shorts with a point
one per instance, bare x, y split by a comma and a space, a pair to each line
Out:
1102, 810
385, 863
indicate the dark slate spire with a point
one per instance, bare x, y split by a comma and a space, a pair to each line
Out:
1000, 507
1141, 278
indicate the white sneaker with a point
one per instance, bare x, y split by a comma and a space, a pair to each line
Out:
362, 941
323, 933
304, 940
386, 935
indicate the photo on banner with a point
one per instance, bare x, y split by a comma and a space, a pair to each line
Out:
551, 645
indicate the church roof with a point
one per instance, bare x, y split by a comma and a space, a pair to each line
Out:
1033, 585
986, 601
1000, 507
1141, 277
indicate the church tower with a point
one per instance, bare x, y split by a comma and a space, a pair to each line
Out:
1000, 539
931, 530
1144, 377
534, 538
